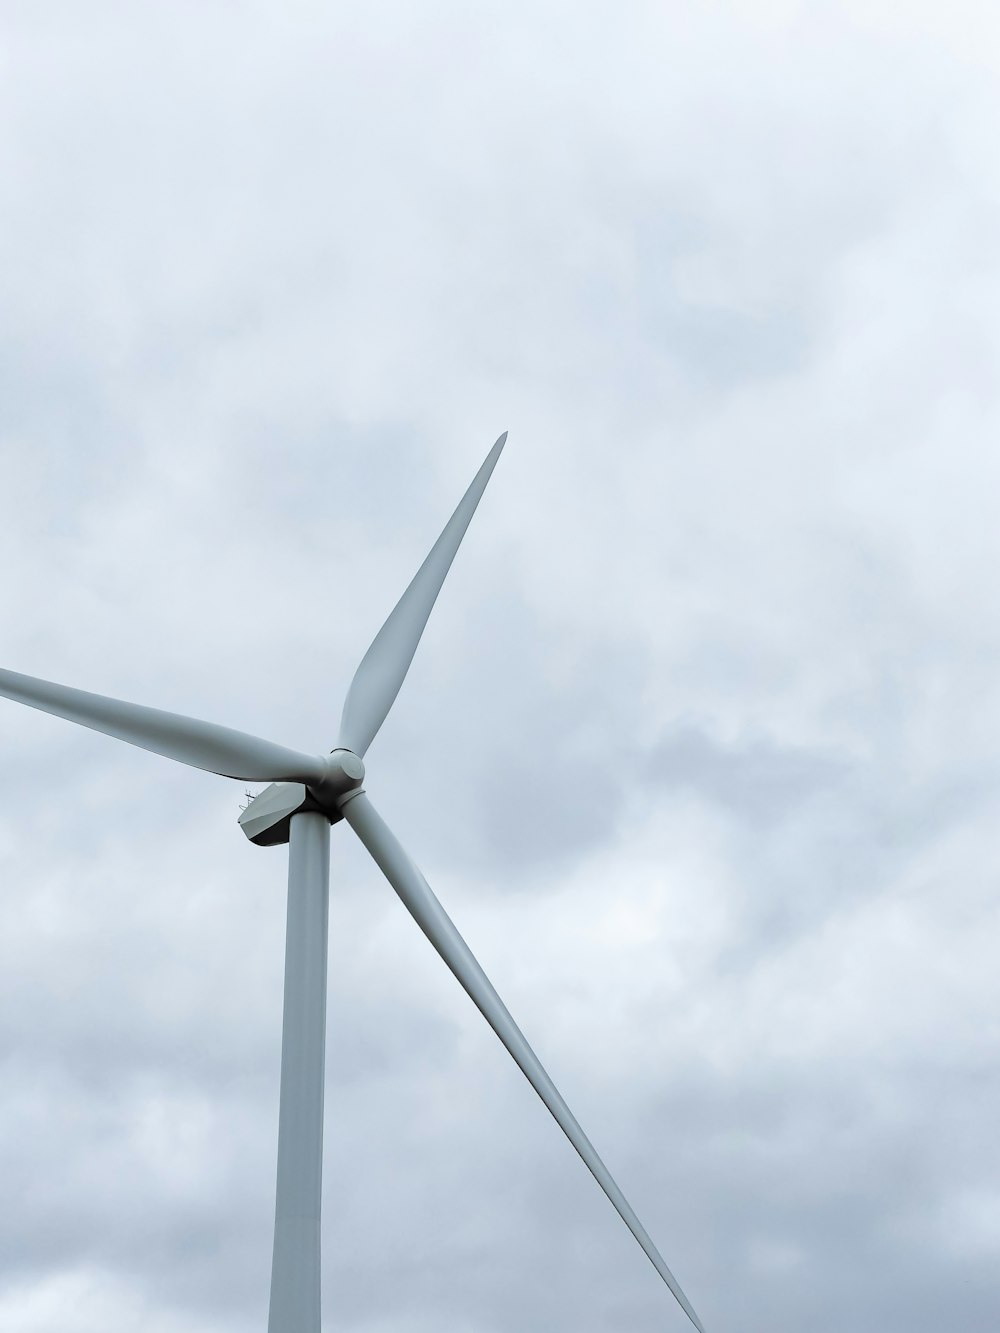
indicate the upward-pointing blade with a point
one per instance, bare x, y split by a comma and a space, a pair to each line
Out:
384, 666
232, 754
432, 919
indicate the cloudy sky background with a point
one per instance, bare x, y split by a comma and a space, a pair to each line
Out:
701, 749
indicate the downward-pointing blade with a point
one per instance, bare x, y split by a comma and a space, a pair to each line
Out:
384, 666
432, 919
204, 745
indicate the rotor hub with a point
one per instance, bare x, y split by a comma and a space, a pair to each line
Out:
344, 772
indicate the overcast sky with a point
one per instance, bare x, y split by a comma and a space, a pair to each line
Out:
701, 749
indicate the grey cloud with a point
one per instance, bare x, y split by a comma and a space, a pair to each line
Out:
701, 741
756, 780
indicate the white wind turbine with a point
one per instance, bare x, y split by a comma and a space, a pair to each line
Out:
307, 795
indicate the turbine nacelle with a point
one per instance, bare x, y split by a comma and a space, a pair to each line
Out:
267, 819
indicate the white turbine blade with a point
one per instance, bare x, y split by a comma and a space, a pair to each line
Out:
384, 666
432, 919
216, 749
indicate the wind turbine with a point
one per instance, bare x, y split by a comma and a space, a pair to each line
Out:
309, 793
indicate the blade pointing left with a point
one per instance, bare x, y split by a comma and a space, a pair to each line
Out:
231, 754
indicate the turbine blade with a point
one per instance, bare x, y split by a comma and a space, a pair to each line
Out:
432, 919
384, 666
232, 754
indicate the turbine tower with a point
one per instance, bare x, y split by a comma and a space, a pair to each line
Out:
308, 794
